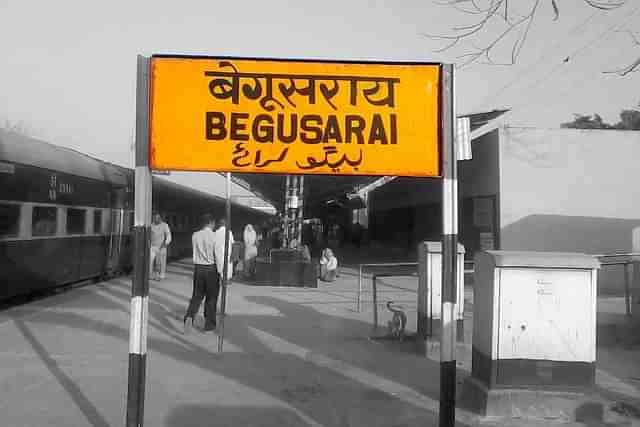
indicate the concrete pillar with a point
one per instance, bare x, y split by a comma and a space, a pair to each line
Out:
294, 191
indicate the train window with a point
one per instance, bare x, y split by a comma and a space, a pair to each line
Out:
131, 221
9, 220
44, 220
75, 221
97, 221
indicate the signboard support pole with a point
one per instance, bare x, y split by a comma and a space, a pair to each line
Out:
286, 226
141, 237
300, 218
225, 268
449, 254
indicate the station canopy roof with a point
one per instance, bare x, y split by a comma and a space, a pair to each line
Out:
317, 188
324, 188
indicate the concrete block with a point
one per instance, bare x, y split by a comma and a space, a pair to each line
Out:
518, 403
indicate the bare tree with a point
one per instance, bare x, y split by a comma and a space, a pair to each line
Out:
508, 24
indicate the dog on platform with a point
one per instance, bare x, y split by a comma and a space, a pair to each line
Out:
398, 322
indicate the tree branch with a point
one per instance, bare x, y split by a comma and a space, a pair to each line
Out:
605, 4
635, 65
635, 38
516, 23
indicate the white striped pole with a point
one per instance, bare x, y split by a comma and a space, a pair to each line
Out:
225, 268
300, 219
141, 233
449, 254
287, 203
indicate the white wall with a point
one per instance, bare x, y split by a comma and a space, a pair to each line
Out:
570, 190
591, 173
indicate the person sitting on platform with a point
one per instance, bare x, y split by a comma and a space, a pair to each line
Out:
328, 266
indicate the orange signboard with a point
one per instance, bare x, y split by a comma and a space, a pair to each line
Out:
294, 117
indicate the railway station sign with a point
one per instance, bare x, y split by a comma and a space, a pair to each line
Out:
294, 116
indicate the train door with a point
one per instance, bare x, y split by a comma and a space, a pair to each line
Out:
116, 230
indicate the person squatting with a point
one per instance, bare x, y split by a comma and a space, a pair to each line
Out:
208, 256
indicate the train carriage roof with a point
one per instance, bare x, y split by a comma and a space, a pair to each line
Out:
317, 188
28, 151
23, 150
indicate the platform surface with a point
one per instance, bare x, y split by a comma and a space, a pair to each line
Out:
292, 357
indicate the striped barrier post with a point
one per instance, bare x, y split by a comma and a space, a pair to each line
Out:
449, 254
141, 236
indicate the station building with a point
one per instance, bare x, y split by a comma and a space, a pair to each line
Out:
525, 188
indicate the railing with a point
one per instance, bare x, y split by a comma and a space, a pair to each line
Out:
624, 259
387, 266
469, 268
627, 261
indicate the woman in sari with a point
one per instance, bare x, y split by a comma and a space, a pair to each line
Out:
250, 250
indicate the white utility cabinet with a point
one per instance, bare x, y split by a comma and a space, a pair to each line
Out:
534, 319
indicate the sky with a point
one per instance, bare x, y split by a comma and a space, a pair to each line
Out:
68, 69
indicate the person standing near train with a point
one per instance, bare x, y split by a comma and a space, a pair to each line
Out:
160, 239
206, 282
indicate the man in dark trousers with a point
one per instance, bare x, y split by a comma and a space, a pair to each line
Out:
205, 276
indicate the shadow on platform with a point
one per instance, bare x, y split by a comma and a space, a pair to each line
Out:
232, 416
88, 409
359, 382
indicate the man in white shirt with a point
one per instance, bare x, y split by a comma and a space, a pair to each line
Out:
220, 232
205, 276
160, 239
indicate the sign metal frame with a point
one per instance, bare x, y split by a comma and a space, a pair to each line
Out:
190, 101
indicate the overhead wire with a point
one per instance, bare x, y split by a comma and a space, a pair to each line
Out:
537, 62
576, 53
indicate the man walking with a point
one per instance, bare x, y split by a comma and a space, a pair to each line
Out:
160, 239
205, 276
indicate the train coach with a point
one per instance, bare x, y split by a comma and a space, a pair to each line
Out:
66, 217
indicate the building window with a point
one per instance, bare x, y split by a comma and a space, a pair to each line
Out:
75, 221
97, 221
44, 220
9, 220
